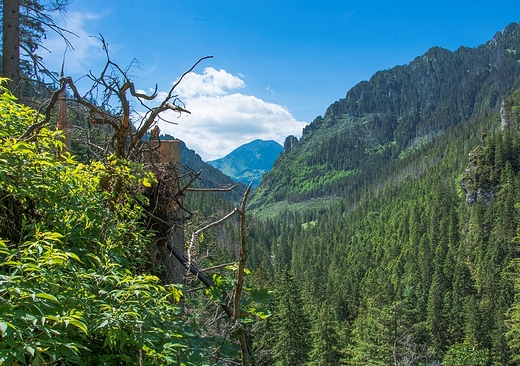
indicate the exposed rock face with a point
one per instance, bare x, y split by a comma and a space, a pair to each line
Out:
468, 183
504, 114
471, 197
289, 143
483, 195
465, 182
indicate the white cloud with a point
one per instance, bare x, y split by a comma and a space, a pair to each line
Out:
210, 83
221, 118
220, 121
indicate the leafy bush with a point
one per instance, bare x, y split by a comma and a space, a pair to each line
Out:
74, 285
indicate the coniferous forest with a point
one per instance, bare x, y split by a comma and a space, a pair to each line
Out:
387, 235
401, 236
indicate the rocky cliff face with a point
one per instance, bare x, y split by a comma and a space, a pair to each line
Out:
289, 143
469, 182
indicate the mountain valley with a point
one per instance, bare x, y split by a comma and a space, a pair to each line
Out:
397, 215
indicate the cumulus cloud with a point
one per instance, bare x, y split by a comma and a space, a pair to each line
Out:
210, 83
221, 120
222, 117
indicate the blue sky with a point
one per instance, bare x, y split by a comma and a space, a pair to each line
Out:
276, 64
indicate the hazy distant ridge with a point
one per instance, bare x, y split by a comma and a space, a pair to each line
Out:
249, 162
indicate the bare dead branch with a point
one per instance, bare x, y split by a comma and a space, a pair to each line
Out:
130, 85
195, 234
222, 189
166, 121
187, 72
192, 180
175, 108
193, 270
195, 289
217, 267
245, 348
159, 219
47, 114
104, 117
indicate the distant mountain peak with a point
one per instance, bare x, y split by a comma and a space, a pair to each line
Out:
250, 161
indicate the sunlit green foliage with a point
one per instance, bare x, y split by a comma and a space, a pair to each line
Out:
464, 354
75, 285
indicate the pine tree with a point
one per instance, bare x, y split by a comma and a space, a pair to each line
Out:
291, 323
325, 340
374, 334
25, 24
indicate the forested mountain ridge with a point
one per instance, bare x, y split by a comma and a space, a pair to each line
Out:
407, 255
381, 120
397, 216
415, 271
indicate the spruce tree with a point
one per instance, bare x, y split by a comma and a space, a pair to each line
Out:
325, 340
291, 323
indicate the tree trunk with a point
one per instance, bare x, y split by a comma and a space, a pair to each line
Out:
11, 45
63, 119
239, 284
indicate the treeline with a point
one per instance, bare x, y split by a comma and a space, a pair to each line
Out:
422, 268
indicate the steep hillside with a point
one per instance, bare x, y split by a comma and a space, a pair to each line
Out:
398, 214
382, 120
424, 266
249, 162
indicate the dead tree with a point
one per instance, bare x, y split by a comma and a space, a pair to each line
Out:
129, 142
114, 109
234, 312
114, 83
11, 44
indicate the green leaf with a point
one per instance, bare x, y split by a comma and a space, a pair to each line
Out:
103, 324
78, 324
260, 314
214, 293
174, 345
30, 349
52, 235
261, 295
12, 263
177, 293
43, 295
3, 328
73, 256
